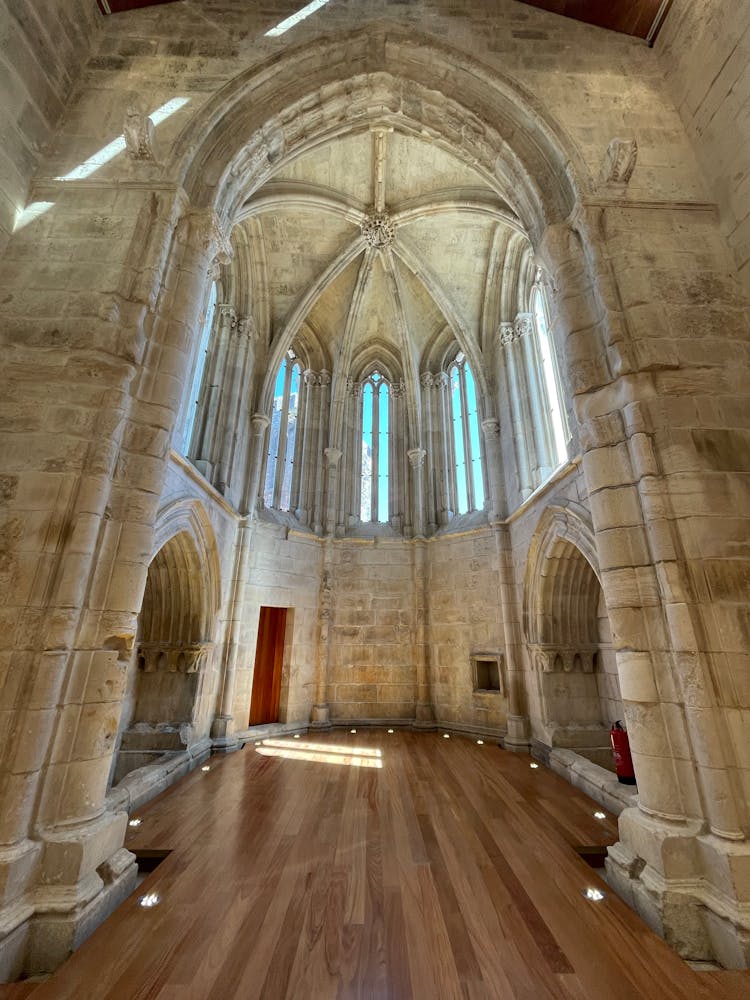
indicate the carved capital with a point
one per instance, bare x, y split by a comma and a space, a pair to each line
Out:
524, 324
398, 389
441, 380
324, 378
507, 334
426, 380
491, 427
310, 378
211, 237
259, 422
416, 457
333, 456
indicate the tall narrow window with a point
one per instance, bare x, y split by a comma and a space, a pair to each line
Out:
374, 471
467, 453
282, 435
200, 367
549, 369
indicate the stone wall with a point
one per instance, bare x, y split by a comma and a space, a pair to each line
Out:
283, 571
465, 619
705, 50
43, 47
372, 666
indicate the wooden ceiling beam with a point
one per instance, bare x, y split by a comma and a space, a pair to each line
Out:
641, 18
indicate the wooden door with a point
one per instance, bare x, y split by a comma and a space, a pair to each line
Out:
269, 659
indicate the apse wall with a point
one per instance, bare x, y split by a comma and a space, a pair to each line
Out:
704, 50
43, 48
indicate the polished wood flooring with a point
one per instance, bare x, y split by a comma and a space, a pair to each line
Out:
372, 866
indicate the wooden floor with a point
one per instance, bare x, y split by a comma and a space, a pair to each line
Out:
422, 867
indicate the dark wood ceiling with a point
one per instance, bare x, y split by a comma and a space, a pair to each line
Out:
633, 17
117, 6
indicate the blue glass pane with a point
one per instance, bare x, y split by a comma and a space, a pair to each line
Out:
291, 434
462, 497
365, 507
273, 435
383, 452
476, 452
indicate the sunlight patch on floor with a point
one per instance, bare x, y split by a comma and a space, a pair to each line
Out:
322, 753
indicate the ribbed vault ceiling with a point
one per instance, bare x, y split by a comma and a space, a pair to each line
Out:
380, 245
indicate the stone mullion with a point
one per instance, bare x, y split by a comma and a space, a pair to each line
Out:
304, 434
450, 448
235, 376
467, 438
201, 448
429, 432
278, 477
354, 406
445, 441
322, 421
295, 489
398, 502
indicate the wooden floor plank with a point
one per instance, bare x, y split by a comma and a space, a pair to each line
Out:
449, 872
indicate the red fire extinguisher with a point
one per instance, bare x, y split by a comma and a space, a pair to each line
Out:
621, 751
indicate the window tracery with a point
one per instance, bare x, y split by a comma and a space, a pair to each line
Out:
277, 490
374, 467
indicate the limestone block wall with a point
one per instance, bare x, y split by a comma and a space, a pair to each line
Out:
372, 658
284, 571
705, 51
43, 47
465, 619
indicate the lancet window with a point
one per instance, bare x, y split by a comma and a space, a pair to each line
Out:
555, 413
283, 434
466, 449
374, 468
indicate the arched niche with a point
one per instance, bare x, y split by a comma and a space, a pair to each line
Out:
166, 702
568, 634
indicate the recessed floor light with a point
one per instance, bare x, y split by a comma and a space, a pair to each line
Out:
149, 900
134, 822
206, 767
390, 730
352, 730
480, 743
296, 736
593, 894
600, 815
446, 736
533, 766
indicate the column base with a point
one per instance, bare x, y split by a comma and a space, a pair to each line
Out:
223, 738
692, 889
320, 717
517, 738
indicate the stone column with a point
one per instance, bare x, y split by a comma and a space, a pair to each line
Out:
426, 381
660, 477
258, 426
518, 732
319, 507
333, 458
491, 434
203, 445
320, 716
424, 713
416, 458
236, 375
444, 432
222, 730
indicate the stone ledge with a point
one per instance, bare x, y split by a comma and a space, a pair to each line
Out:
598, 783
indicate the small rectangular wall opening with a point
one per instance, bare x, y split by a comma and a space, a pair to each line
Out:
487, 673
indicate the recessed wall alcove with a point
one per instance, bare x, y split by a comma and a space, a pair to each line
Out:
170, 677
